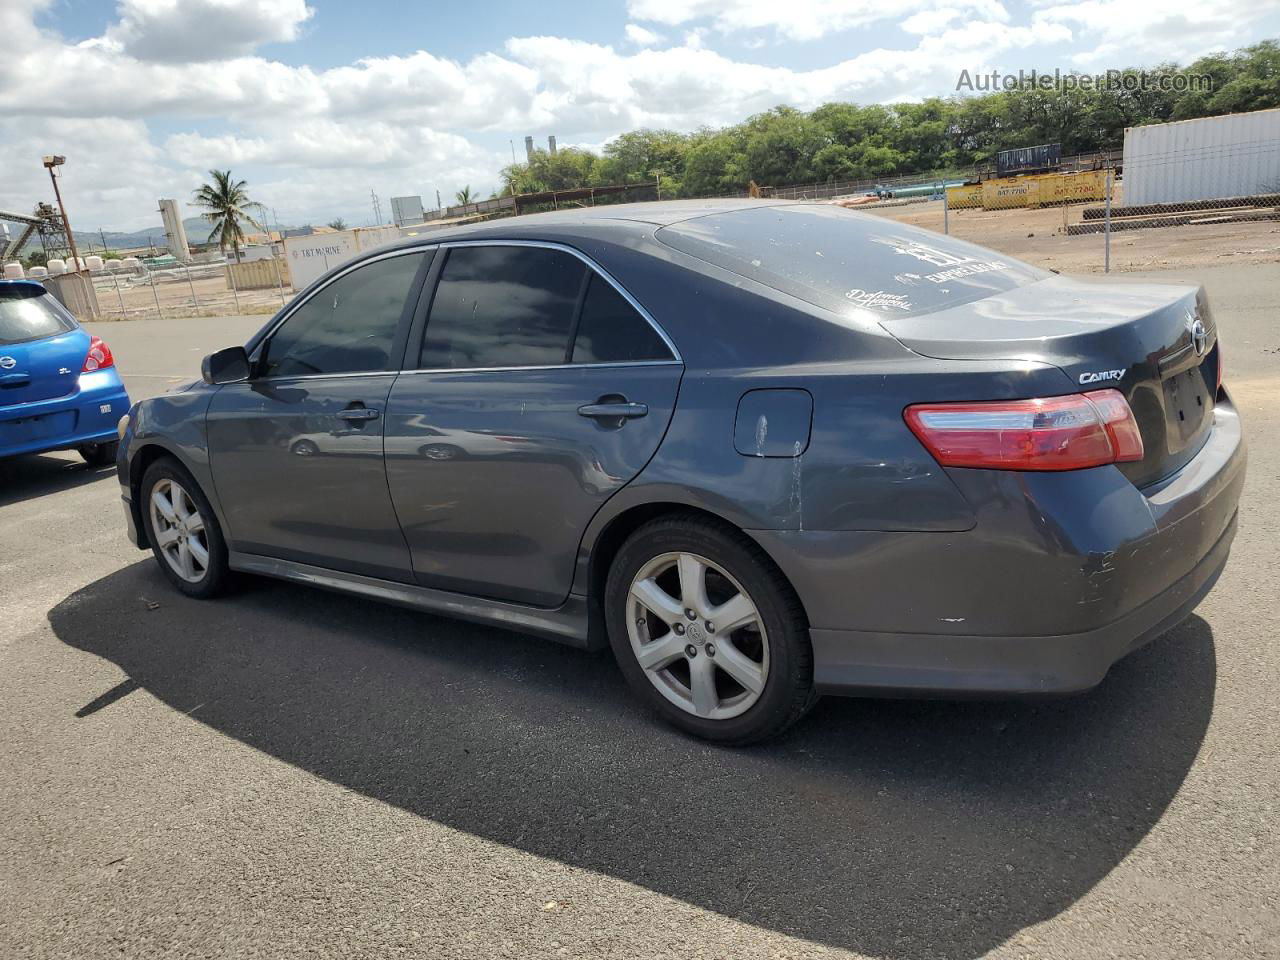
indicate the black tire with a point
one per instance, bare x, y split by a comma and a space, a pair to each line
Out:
217, 574
788, 690
99, 454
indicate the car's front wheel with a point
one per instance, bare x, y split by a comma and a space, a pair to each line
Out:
99, 454
708, 631
183, 530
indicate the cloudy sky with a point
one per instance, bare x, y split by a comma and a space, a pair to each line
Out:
318, 102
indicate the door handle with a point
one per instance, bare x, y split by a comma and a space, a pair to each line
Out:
357, 413
613, 411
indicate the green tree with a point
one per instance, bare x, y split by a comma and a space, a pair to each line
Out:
227, 205
337, 223
464, 196
848, 141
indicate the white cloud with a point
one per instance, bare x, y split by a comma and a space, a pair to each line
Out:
642, 37
317, 140
798, 19
931, 21
1180, 30
188, 31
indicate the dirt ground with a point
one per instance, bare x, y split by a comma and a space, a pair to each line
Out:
124, 298
1040, 237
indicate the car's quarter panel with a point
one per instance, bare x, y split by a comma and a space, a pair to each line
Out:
495, 474
1047, 589
300, 482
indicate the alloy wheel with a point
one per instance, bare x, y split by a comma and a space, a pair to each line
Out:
697, 635
179, 530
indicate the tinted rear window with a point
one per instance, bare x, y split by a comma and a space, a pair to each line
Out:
30, 314
846, 261
502, 307
612, 331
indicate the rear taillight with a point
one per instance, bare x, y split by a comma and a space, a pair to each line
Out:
99, 356
1046, 433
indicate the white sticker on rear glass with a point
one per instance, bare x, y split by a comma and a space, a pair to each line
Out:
878, 299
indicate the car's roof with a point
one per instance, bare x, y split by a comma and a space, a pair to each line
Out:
660, 213
565, 224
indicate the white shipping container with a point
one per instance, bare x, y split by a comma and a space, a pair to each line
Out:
1237, 155
310, 257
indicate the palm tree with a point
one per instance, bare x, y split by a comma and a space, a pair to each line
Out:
226, 204
464, 196
337, 224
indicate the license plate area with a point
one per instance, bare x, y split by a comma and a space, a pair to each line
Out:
28, 429
1188, 407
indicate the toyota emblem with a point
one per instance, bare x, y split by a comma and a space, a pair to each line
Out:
1199, 337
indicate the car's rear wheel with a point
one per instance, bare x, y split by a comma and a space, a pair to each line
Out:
707, 630
183, 530
99, 454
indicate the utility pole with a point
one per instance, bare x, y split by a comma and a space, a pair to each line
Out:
513, 152
49, 164
438, 207
377, 208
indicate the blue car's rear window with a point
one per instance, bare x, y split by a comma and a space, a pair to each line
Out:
28, 313
847, 261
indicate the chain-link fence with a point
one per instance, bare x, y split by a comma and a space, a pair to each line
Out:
1168, 209
208, 289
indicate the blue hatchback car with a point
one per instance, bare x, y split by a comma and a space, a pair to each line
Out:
59, 387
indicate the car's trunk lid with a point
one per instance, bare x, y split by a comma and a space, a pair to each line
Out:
1156, 343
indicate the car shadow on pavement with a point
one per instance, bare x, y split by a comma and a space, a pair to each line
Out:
36, 475
893, 828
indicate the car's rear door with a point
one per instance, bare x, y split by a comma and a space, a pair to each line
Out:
540, 389
296, 451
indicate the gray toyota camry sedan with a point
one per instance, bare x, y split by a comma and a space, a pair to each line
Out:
763, 451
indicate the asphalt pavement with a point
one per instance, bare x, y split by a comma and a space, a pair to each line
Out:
287, 772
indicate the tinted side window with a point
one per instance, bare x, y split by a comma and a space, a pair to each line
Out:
612, 331
28, 313
502, 307
347, 326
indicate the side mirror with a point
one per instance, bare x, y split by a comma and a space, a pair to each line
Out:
226, 366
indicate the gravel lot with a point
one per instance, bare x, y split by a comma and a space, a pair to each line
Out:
288, 772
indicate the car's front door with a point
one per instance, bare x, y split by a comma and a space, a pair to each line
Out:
540, 390
296, 451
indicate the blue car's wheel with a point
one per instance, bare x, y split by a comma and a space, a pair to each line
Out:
99, 454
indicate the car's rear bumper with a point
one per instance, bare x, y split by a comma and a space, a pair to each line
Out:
856, 662
89, 414
1062, 575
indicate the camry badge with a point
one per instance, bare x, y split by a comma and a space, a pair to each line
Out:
1099, 376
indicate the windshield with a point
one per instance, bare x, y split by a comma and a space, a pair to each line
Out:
844, 261
27, 313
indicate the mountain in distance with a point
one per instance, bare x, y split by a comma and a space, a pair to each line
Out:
198, 230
